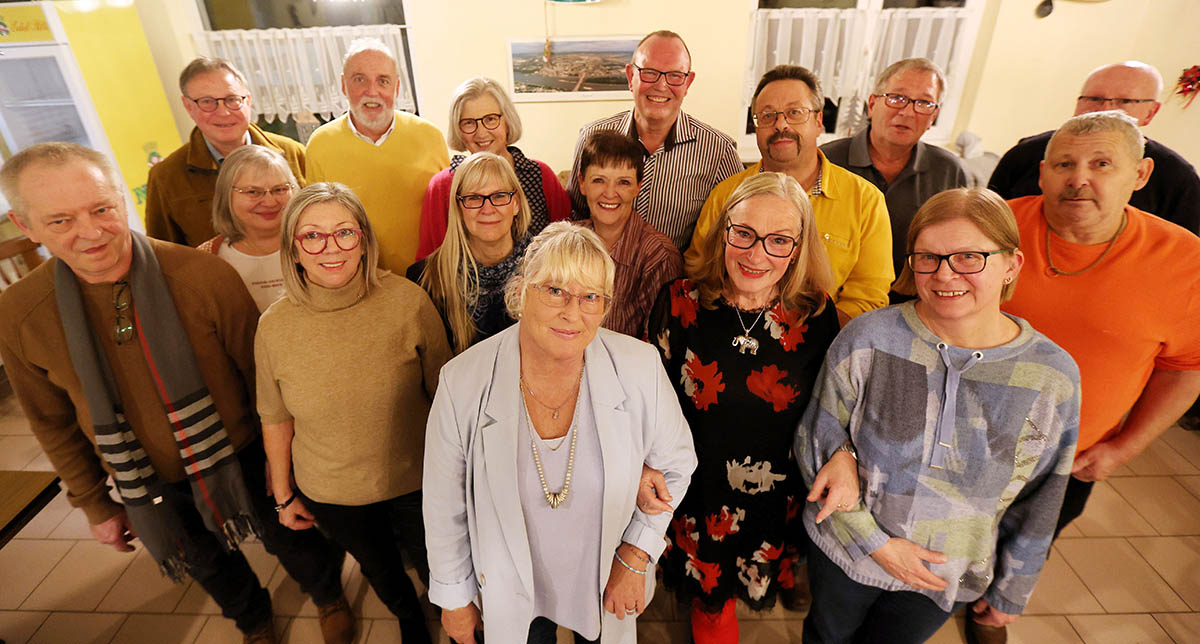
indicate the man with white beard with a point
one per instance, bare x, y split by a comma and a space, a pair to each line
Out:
386, 156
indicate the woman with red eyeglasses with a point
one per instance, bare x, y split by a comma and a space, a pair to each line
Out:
347, 367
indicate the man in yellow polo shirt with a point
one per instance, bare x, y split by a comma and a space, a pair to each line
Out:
851, 215
386, 156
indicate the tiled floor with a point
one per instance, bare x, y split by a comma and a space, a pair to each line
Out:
1128, 571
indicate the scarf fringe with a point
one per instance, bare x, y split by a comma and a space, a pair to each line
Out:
175, 568
238, 528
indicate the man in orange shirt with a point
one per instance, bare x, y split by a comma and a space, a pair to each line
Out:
1116, 287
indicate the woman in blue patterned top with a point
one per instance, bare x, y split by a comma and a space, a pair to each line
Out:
964, 420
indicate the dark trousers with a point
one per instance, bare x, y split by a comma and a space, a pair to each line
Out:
544, 631
365, 532
1074, 501
307, 556
845, 611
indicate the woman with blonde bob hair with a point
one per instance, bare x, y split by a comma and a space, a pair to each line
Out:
964, 420
533, 453
734, 536
347, 331
485, 238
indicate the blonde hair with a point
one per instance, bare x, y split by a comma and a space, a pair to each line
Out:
980, 206
806, 282
295, 284
561, 254
471, 89
224, 222
451, 274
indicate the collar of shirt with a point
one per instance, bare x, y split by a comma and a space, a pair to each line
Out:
350, 120
817, 189
217, 156
625, 249
681, 132
860, 153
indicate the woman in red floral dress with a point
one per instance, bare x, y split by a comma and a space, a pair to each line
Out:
743, 341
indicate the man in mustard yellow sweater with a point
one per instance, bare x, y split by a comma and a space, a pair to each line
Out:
386, 156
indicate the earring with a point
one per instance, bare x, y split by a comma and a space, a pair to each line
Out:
1008, 280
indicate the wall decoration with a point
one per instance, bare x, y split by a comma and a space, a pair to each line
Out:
570, 69
1188, 84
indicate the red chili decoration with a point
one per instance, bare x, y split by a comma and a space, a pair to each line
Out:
1189, 84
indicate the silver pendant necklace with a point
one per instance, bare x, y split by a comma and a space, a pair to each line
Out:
744, 342
554, 499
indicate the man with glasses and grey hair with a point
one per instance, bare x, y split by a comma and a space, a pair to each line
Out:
685, 158
179, 193
1173, 191
386, 156
889, 152
850, 212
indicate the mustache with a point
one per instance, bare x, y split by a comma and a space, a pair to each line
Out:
784, 135
1075, 193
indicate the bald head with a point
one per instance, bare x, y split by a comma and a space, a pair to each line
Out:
1131, 86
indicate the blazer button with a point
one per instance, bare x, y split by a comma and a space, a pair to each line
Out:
482, 580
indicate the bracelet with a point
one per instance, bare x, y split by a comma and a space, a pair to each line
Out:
847, 447
279, 508
629, 567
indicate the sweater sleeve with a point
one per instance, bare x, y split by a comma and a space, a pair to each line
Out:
867, 283
434, 214
557, 201
271, 408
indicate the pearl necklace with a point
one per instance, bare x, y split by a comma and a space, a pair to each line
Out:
554, 499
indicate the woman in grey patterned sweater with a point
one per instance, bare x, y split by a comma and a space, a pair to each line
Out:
964, 420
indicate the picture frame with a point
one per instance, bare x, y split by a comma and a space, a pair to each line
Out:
589, 68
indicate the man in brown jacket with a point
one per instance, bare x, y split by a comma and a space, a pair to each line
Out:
134, 358
179, 194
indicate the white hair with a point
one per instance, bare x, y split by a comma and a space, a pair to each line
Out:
359, 45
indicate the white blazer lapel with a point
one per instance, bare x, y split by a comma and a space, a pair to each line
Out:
614, 424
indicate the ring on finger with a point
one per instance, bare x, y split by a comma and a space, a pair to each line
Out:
630, 612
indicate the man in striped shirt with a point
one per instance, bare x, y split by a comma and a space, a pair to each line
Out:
685, 158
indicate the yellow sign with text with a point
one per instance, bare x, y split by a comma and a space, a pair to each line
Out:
24, 24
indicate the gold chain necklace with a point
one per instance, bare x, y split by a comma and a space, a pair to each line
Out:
554, 410
555, 499
1055, 272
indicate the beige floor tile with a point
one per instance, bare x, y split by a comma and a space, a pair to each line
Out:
1122, 471
768, 631
744, 613
1160, 459
14, 425
24, 564
387, 631
307, 630
17, 626
366, 603
78, 628
218, 630
142, 588
1162, 501
1119, 629
47, 520
81, 579
1187, 443
17, 451
160, 629
1059, 591
1070, 532
73, 526
1177, 560
196, 601
287, 597
39, 464
1108, 514
662, 607
1118, 577
1182, 627
1042, 630
1192, 483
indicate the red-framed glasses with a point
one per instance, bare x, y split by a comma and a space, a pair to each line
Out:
314, 242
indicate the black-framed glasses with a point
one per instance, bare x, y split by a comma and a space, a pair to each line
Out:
898, 101
123, 329
744, 237
475, 202
558, 297
964, 262
489, 121
651, 75
795, 116
1117, 103
280, 191
314, 242
210, 103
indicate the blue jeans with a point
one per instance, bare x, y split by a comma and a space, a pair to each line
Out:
845, 611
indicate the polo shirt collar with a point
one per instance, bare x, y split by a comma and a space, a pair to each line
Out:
860, 153
683, 131
219, 158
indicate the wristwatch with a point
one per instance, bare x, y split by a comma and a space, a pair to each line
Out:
847, 447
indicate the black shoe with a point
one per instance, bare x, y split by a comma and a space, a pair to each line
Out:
980, 634
414, 631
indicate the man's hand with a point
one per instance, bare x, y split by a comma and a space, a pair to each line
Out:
985, 614
461, 623
116, 532
625, 593
904, 560
653, 497
296, 516
836, 485
1099, 461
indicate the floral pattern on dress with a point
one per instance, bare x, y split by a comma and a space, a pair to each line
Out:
768, 384
724, 523
685, 302
786, 326
701, 382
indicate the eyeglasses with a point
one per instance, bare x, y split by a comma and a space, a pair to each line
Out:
279, 192
123, 331
209, 104
745, 237
557, 297
795, 116
964, 263
1118, 103
490, 121
475, 202
650, 75
898, 101
314, 242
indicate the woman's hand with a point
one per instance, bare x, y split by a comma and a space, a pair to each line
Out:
985, 614
625, 593
905, 561
836, 485
461, 623
296, 516
653, 497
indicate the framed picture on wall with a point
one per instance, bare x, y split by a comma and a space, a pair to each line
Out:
589, 68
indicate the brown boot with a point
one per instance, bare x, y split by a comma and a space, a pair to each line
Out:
980, 634
337, 622
264, 635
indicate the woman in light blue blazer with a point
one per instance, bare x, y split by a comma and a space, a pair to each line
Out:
534, 448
